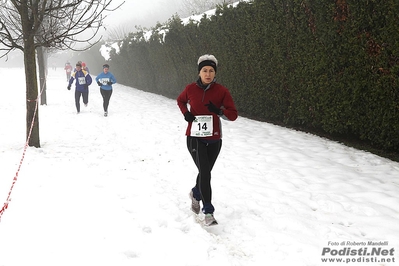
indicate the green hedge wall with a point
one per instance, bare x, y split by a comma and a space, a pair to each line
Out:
326, 66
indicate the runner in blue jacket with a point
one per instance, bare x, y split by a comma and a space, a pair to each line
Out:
83, 80
105, 80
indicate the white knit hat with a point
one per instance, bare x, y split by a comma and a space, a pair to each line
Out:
207, 60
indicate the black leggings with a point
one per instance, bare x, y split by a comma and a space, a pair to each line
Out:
106, 96
204, 156
85, 96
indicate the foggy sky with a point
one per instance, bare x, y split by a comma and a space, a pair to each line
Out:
132, 13
142, 13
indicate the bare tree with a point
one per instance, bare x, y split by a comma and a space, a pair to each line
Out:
118, 33
42, 64
54, 24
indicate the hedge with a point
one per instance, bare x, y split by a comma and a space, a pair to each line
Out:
322, 65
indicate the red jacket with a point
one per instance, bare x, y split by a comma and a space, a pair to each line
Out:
68, 68
196, 97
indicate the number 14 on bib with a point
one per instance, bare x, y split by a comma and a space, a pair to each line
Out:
202, 126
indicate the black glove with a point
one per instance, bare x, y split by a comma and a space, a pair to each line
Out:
98, 83
189, 117
109, 82
69, 87
212, 108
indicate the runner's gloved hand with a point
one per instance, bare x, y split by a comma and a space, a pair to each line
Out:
109, 82
212, 108
189, 117
69, 87
98, 83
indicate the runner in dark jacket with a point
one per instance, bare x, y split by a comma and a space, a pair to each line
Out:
83, 80
203, 103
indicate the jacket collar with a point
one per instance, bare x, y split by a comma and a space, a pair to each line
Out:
203, 86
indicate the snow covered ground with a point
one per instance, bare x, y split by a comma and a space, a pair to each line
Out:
114, 190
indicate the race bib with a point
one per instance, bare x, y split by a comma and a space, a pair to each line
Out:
82, 80
202, 126
104, 81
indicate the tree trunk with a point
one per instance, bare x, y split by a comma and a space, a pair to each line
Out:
31, 92
42, 62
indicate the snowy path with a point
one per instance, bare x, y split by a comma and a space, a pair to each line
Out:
114, 190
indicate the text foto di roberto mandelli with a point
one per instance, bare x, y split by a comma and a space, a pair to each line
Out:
358, 243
